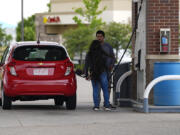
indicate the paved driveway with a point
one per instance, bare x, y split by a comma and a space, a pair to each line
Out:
42, 118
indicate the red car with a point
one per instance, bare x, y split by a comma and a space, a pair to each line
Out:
33, 71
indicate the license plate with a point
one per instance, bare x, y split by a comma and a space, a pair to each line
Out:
40, 71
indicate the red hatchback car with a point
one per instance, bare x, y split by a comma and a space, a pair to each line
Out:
33, 71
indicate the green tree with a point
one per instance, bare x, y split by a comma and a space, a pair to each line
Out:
118, 35
90, 14
5, 39
49, 7
29, 29
77, 40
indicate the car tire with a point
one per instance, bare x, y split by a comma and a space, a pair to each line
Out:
6, 101
59, 101
71, 102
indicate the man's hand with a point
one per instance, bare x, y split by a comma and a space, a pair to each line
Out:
88, 78
110, 68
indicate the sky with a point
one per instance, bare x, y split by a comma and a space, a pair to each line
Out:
10, 10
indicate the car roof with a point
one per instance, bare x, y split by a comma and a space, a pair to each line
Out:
34, 43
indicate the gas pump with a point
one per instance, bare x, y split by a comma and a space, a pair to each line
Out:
164, 40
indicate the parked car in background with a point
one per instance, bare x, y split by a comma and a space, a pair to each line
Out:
37, 70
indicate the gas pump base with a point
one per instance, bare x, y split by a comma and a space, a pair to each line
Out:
140, 107
156, 109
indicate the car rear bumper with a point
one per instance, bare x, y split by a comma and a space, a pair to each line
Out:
66, 87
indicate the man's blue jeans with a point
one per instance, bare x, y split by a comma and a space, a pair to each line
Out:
103, 82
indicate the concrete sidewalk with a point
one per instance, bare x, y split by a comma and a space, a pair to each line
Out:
43, 118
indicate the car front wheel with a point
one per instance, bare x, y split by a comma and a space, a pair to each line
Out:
71, 102
6, 101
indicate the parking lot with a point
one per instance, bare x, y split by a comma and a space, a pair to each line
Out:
43, 118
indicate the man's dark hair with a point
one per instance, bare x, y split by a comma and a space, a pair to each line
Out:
97, 60
100, 32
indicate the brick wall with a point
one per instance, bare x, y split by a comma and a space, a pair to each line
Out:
162, 14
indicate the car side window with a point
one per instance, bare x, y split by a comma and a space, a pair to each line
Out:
4, 55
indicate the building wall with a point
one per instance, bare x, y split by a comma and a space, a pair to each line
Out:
162, 14
159, 14
116, 10
41, 29
65, 5
68, 5
122, 5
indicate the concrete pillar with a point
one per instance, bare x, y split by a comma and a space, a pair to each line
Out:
156, 14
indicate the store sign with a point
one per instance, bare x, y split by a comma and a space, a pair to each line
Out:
51, 19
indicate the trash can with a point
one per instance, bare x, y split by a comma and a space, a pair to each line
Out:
167, 93
125, 87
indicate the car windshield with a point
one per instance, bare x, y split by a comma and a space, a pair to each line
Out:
40, 53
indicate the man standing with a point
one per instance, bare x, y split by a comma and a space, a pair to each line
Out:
100, 35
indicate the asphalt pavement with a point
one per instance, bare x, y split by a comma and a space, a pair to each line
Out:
43, 118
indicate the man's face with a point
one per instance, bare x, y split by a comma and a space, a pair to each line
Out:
100, 37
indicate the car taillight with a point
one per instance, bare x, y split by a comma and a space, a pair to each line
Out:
68, 71
11, 69
69, 68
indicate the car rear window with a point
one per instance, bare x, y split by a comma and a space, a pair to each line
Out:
39, 53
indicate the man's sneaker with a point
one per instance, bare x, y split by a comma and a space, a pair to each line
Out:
107, 108
96, 108
112, 107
